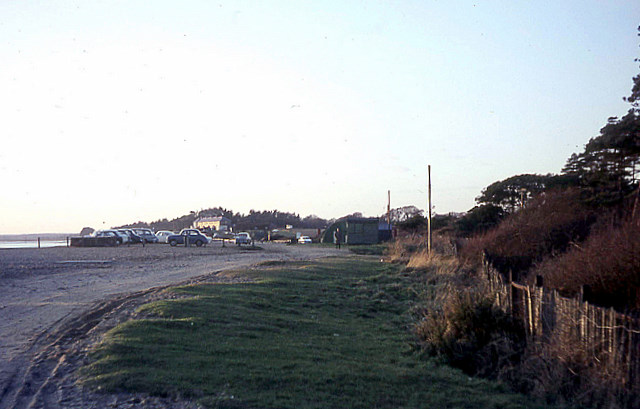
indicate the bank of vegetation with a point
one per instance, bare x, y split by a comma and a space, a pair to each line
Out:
576, 234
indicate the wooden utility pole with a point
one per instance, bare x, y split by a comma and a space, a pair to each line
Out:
429, 219
389, 210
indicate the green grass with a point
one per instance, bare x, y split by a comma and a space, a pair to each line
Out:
327, 334
368, 249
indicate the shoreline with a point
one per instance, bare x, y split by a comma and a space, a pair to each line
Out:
35, 236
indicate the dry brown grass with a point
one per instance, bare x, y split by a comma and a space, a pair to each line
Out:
404, 248
439, 263
401, 249
566, 371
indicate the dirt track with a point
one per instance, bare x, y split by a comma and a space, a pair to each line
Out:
52, 296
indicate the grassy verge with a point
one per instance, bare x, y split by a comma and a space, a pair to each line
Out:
368, 249
327, 334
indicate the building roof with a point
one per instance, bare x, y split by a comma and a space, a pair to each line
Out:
212, 219
360, 219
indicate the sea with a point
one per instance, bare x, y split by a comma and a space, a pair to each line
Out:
25, 241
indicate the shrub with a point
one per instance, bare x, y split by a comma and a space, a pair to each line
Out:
470, 333
413, 225
607, 262
547, 225
479, 219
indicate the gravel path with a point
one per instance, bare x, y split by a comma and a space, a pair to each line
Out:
43, 291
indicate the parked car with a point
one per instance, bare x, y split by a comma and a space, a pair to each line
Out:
224, 235
193, 236
146, 235
133, 238
162, 235
124, 236
304, 240
243, 238
120, 238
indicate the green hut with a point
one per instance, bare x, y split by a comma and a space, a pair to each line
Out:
354, 230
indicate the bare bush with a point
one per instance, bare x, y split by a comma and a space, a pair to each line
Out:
470, 333
548, 225
607, 262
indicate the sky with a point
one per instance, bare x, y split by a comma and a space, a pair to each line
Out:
117, 111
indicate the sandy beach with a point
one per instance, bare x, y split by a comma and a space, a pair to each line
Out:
48, 291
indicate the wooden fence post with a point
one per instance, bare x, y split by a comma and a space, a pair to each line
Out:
585, 293
529, 312
610, 337
511, 293
629, 347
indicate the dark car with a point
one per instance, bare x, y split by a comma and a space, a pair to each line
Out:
120, 239
133, 238
193, 236
146, 235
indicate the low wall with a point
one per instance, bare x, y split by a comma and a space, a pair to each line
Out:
93, 241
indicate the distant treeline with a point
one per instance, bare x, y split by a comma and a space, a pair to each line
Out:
254, 220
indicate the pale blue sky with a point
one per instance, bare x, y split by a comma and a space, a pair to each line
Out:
312, 107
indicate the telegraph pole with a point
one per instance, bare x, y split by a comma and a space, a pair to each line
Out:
389, 212
429, 219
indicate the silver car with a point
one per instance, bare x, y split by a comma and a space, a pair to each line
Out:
243, 238
162, 235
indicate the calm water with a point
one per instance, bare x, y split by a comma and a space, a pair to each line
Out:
25, 244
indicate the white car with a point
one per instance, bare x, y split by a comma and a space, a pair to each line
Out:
304, 240
162, 235
243, 238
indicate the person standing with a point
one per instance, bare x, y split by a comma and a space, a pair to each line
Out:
337, 238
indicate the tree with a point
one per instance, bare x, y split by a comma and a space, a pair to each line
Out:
513, 192
414, 224
441, 221
86, 231
634, 98
607, 168
479, 219
314, 222
402, 214
268, 219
